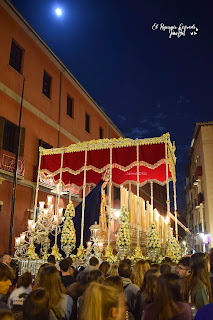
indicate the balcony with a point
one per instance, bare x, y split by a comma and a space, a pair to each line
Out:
7, 162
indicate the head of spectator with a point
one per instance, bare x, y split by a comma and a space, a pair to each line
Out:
167, 296
6, 314
25, 280
165, 268
115, 282
104, 267
124, 270
6, 258
39, 272
51, 259
109, 303
183, 268
210, 251
49, 279
65, 267
155, 265
5, 278
95, 276
127, 261
113, 270
94, 262
149, 284
70, 261
168, 261
199, 264
36, 305
138, 272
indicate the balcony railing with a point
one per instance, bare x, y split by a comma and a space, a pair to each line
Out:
7, 162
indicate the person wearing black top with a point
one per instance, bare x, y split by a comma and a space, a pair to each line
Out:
66, 271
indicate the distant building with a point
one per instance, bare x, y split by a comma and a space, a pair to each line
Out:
57, 111
199, 187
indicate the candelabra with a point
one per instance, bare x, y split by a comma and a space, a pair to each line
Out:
48, 221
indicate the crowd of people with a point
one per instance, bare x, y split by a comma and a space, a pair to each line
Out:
100, 291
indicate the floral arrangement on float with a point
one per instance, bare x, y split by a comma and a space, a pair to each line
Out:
153, 242
31, 252
68, 236
55, 252
173, 250
123, 239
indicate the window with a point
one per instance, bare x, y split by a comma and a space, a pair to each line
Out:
16, 57
70, 107
45, 145
101, 133
87, 120
46, 84
9, 137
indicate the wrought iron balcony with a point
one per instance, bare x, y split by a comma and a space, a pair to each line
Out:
7, 162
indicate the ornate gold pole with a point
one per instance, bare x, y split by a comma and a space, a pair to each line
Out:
138, 251
37, 186
108, 251
175, 207
152, 201
167, 189
58, 198
81, 247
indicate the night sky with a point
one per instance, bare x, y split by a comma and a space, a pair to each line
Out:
148, 82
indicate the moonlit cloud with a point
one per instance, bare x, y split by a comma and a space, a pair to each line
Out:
137, 133
182, 99
121, 117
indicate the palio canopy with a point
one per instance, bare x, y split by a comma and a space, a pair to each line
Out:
121, 154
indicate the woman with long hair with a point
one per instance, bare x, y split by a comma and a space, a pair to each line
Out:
104, 267
113, 270
18, 296
138, 272
196, 288
147, 292
167, 304
36, 305
102, 302
59, 303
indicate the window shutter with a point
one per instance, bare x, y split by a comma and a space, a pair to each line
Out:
22, 140
2, 122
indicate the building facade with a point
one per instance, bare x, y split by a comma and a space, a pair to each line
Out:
57, 111
199, 187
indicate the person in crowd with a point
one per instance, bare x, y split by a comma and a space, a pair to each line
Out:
95, 276
75, 291
75, 271
104, 267
165, 268
211, 271
18, 295
183, 268
155, 265
205, 312
5, 283
147, 292
59, 303
167, 303
6, 259
6, 314
115, 282
113, 270
39, 272
102, 302
66, 277
51, 259
36, 305
130, 289
138, 272
196, 288
93, 265
210, 251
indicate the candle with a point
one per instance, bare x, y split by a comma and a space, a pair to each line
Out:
49, 200
22, 237
17, 241
41, 204
30, 223
89, 244
55, 218
60, 213
33, 227
45, 212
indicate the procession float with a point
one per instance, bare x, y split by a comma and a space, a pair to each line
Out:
135, 229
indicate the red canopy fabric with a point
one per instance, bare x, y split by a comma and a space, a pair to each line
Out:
152, 161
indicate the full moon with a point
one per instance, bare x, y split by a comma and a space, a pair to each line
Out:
58, 12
